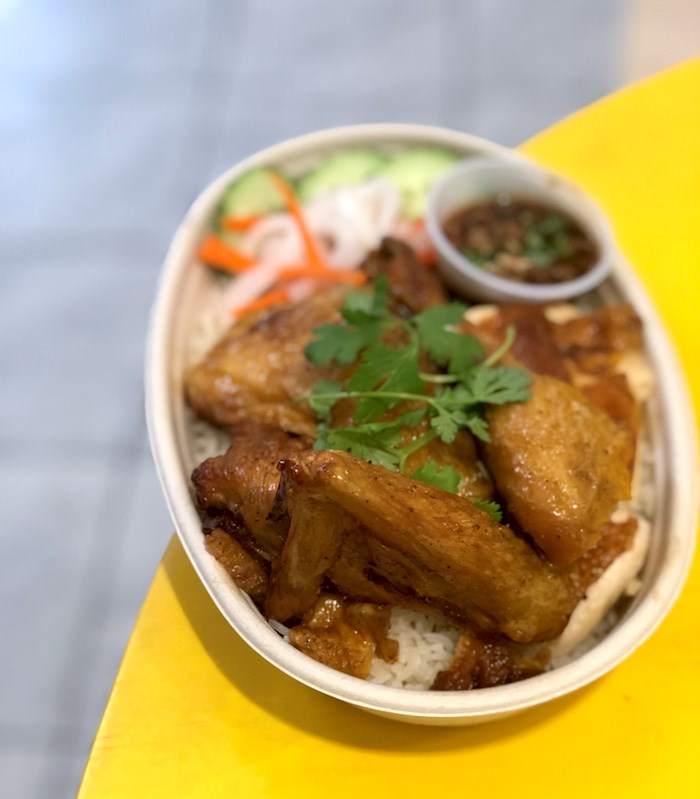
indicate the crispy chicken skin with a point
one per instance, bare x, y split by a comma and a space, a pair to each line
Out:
244, 481
345, 635
438, 546
590, 343
258, 370
247, 571
561, 464
316, 531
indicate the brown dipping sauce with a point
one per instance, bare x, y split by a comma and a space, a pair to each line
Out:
521, 240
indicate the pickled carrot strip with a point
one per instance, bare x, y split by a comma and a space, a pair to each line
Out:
349, 277
240, 224
267, 300
313, 253
216, 253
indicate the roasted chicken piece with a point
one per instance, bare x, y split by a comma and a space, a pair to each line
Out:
316, 531
584, 350
345, 635
561, 464
246, 570
426, 542
613, 330
258, 370
412, 287
244, 481
534, 346
481, 662
561, 342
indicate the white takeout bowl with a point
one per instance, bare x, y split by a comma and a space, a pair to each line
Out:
476, 180
186, 289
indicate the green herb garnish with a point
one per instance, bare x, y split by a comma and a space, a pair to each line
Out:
492, 508
445, 477
447, 400
548, 241
542, 242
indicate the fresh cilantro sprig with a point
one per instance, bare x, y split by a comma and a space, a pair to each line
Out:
445, 477
492, 508
366, 319
385, 377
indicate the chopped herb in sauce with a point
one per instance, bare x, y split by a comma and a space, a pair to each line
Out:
521, 240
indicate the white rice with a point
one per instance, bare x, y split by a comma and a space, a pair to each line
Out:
206, 441
426, 646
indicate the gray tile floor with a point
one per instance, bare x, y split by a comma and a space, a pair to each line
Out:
112, 116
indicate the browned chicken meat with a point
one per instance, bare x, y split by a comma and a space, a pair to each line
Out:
412, 288
244, 482
345, 635
424, 541
258, 370
563, 460
561, 465
481, 662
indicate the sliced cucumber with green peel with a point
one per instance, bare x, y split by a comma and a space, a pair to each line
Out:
252, 194
413, 171
345, 168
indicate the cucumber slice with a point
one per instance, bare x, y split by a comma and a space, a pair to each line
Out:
253, 193
344, 168
413, 172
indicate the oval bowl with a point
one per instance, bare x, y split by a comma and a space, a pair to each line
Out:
185, 292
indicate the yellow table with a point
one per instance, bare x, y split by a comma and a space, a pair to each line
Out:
195, 713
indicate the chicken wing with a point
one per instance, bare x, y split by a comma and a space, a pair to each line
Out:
433, 545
